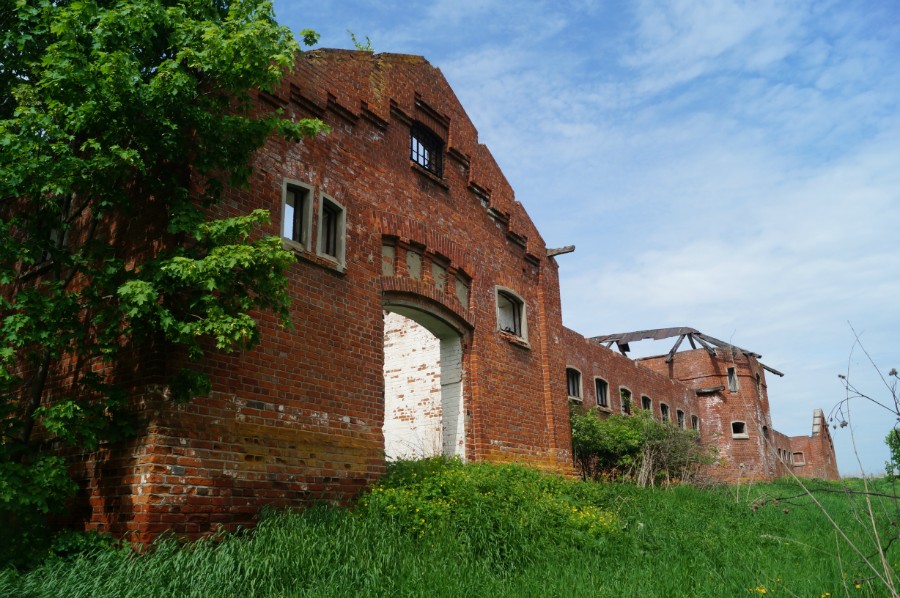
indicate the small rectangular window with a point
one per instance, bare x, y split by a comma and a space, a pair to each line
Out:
625, 396
602, 392
510, 313
296, 214
679, 417
798, 459
739, 430
426, 149
646, 403
695, 423
332, 227
573, 382
732, 380
664, 412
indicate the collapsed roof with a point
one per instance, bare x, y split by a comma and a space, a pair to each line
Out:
694, 336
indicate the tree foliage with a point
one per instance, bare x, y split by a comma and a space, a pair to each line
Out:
121, 123
635, 447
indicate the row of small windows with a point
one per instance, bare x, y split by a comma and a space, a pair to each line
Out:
297, 222
573, 384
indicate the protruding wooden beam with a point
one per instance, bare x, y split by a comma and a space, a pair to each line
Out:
560, 250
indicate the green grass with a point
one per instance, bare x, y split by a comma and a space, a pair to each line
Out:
443, 529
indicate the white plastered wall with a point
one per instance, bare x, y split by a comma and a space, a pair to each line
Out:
423, 388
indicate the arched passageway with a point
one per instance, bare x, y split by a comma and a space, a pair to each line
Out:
423, 385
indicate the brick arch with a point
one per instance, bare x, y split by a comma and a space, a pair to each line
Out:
422, 263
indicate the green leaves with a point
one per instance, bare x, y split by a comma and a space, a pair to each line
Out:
121, 124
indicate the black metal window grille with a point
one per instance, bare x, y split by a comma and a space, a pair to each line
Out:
426, 148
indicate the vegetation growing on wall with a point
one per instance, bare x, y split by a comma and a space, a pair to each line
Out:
120, 124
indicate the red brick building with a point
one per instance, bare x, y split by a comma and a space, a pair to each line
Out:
426, 320
715, 388
399, 216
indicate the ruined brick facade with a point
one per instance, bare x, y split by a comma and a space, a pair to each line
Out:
725, 390
403, 227
379, 224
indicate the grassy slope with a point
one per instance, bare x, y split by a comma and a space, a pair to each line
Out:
435, 529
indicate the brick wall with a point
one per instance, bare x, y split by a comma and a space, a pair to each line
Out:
817, 451
299, 418
595, 361
746, 454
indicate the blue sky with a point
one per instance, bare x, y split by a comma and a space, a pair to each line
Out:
731, 166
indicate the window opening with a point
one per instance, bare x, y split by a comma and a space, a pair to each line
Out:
664, 412
602, 387
739, 430
646, 403
573, 382
625, 395
510, 312
426, 148
798, 459
732, 380
295, 214
331, 230
695, 423
679, 416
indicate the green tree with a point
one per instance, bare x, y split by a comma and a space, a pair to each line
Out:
121, 123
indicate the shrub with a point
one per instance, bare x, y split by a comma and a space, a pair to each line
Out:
635, 447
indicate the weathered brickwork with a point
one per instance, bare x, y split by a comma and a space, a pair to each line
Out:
813, 456
725, 391
405, 233
596, 362
300, 417
733, 402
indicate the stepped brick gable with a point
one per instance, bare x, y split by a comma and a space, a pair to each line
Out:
399, 215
